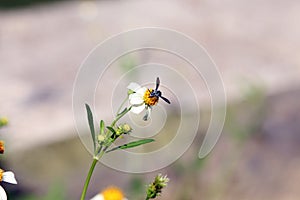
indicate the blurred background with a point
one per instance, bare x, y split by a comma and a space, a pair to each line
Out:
255, 44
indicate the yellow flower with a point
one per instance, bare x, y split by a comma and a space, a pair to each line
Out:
2, 147
110, 193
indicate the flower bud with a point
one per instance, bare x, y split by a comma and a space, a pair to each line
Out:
123, 129
126, 128
129, 92
101, 138
3, 121
155, 188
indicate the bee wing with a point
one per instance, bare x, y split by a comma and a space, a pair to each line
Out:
157, 83
165, 99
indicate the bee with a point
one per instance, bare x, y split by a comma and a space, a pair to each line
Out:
157, 93
151, 98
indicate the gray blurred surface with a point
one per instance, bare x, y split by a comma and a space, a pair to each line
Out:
41, 48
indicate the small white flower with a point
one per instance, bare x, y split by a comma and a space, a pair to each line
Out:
142, 98
110, 193
2, 194
8, 177
99, 197
136, 99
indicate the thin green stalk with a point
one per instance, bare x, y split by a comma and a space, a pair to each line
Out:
89, 175
88, 178
120, 116
125, 100
100, 152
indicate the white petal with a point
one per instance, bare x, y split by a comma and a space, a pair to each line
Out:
136, 99
141, 91
98, 197
138, 109
9, 177
133, 86
2, 194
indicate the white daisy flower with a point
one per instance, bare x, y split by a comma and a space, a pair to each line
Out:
142, 98
110, 193
2, 194
136, 98
8, 177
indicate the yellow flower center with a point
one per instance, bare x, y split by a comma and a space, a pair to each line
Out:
112, 193
150, 101
1, 146
1, 174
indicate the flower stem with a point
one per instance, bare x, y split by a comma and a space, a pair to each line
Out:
88, 178
122, 104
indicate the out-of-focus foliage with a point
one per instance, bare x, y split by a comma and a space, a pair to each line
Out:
56, 191
4, 4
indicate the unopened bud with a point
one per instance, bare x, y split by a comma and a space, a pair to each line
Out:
155, 188
3, 121
101, 138
124, 129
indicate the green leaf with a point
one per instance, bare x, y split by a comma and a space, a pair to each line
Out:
91, 124
132, 144
102, 127
111, 129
